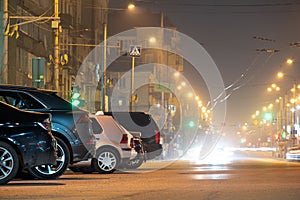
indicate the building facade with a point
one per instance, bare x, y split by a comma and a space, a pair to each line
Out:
29, 34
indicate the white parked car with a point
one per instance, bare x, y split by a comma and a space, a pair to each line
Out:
115, 146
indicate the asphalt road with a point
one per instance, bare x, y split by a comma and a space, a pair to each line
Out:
245, 177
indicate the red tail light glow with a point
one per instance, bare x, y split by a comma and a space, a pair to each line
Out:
131, 143
124, 139
157, 136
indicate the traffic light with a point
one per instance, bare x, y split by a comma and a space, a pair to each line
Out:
283, 135
267, 116
191, 123
75, 96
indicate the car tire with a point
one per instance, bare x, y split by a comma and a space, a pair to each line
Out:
134, 163
9, 163
53, 171
106, 161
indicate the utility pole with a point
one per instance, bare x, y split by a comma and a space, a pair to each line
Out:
55, 26
132, 85
4, 69
293, 132
103, 80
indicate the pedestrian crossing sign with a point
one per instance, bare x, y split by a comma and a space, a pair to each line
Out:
135, 51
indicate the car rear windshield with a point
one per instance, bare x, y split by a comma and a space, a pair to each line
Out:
51, 100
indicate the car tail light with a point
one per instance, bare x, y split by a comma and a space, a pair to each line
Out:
124, 139
131, 143
157, 136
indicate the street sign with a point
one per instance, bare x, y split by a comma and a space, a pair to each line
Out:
135, 51
38, 72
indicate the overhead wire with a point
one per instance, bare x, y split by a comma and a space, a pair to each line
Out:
36, 21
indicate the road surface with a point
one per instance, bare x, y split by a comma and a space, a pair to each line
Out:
243, 178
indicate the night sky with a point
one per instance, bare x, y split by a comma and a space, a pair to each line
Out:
232, 32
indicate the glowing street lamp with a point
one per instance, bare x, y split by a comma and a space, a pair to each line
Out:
152, 40
280, 74
289, 61
176, 74
131, 6
273, 87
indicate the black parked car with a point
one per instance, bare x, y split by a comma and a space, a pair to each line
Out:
71, 126
25, 141
150, 134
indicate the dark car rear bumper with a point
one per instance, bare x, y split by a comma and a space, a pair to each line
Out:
39, 151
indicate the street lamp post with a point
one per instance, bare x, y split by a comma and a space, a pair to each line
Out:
103, 80
55, 26
294, 131
104, 105
293, 101
4, 69
132, 84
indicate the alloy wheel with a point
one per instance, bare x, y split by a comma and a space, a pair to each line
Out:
6, 163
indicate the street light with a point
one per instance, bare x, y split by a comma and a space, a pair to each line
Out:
289, 61
273, 87
131, 6
280, 74
293, 101
104, 107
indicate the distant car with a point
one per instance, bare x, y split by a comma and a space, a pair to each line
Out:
114, 146
71, 126
25, 141
293, 153
150, 134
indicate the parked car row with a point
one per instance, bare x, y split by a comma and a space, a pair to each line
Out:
79, 140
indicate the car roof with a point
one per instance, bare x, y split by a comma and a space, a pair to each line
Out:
9, 113
25, 88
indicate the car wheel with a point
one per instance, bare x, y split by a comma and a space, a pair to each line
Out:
53, 171
9, 163
106, 161
134, 163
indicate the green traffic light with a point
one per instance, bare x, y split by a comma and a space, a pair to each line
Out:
283, 135
267, 116
76, 95
76, 102
191, 124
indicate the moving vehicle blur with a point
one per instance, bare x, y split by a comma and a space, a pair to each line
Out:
293, 153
